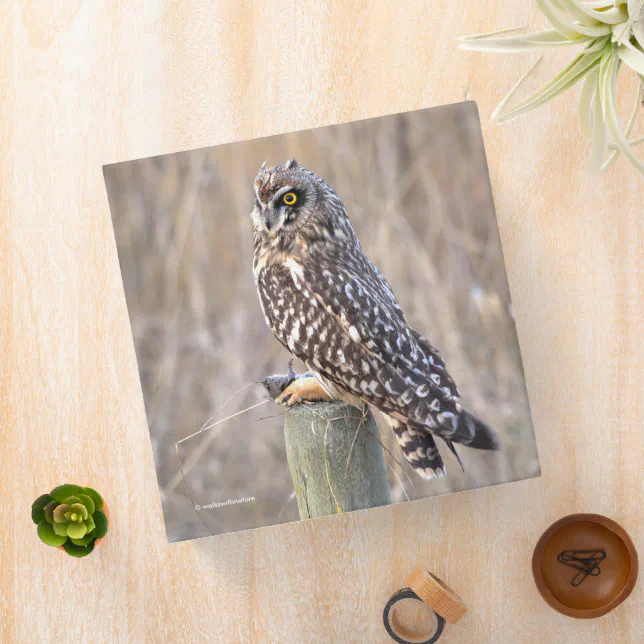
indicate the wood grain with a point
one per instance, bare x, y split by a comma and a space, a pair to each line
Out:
87, 83
336, 459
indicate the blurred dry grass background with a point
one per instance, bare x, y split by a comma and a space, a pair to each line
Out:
417, 190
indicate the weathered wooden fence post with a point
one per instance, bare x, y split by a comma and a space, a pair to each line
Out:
336, 459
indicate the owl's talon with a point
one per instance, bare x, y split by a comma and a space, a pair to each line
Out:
283, 397
285, 400
302, 390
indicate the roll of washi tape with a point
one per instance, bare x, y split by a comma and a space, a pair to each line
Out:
400, 633
437, 595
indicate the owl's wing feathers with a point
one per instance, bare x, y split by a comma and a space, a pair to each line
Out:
430, 358
433, 356
431, 353
355, 335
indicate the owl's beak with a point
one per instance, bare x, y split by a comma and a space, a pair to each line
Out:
272, 219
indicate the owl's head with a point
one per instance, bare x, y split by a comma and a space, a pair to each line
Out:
286, 198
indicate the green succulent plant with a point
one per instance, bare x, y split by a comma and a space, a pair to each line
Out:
70, 516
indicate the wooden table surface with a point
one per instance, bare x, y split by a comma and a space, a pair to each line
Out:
88, 83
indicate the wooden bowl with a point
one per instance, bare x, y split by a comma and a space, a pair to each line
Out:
595, 595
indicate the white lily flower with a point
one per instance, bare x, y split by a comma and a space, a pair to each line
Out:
611, 32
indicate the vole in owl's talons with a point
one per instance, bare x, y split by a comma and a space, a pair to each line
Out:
304, 389
277, 383
293, 388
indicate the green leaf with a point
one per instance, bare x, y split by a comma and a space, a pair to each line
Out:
59, 513
48, 536
609, 93
60, 528
101, 524
76, 530
562, 23
49, 511
599, 144
566, 78
634, 7
633, 58
609, 16
498, 110
597, 44
638, 33
78, 551
87, 502
37, 515
38, 508
83, 541
70, 500
42, 501
89, 523
586, 99
61, 492
79, 509
527, 42
95, 496
629, 128
488, 34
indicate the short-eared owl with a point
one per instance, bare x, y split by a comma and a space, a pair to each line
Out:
332, 308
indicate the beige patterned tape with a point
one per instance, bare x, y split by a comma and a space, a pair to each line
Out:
437, 595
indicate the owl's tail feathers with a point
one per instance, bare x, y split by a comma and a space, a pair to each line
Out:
471, 431
419, 449
453, 450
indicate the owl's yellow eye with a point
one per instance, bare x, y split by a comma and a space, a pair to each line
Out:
289, 198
